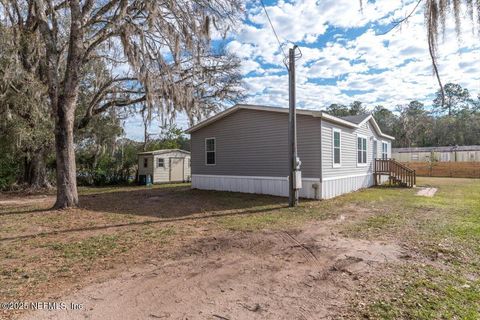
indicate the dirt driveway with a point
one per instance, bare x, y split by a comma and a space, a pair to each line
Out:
303, 274
174, 253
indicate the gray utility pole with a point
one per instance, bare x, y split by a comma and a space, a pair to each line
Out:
295, 179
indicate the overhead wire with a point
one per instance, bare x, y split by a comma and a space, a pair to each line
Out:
275, 33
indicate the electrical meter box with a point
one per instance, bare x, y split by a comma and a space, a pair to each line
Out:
297, 181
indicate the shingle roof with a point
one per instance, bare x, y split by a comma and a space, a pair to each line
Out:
356, 119
437, 149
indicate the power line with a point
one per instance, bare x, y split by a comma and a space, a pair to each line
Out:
273, 28
295, 175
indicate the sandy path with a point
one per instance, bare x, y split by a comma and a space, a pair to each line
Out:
26, 201
426, 192
241, 275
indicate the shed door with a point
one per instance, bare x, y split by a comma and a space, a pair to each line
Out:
176, 169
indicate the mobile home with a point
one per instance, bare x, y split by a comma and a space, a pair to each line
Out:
244, 149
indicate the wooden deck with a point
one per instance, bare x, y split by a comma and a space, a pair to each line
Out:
398, 174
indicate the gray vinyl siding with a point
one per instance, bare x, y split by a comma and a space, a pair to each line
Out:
255, 143
348, 155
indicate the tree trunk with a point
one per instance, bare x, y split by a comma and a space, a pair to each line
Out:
67, 195
36, 171
64, 110
145, 135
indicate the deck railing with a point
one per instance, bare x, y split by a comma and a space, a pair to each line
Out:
398, 173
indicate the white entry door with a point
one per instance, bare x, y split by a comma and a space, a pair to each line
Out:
176, 169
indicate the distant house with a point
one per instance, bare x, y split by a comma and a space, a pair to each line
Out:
442, 154
244, 149
168, 165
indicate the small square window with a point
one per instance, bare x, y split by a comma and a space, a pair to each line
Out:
160, 163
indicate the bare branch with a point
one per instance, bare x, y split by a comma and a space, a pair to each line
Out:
113, 103
401, 21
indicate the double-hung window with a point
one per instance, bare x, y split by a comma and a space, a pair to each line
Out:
361, 150
336, 145
145, 162
210, 151
161, 163
384, 150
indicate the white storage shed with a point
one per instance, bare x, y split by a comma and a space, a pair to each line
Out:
161, 166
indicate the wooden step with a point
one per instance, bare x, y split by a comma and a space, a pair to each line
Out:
398, 174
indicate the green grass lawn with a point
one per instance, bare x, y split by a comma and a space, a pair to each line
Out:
126, 188
443, 232
441, 280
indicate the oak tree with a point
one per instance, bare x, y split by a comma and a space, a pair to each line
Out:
163, 45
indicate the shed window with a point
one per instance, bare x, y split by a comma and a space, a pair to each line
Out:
414, 156
337, 147
161, 163
145, 162
210, 151
384, 150
362, 150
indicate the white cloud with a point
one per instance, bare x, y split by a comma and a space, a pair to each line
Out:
385, 69
342, 65
134, 127
251, 65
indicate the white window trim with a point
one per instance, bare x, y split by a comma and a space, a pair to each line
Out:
385, 142
336, 165
359, 164
214, 151
163, 166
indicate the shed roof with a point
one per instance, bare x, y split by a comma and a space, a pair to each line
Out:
162, 151
436, 149
312, 113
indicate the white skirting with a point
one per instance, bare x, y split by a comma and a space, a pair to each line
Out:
312, 188
333, 187
277, 186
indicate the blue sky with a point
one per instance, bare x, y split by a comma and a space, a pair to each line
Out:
345, 57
